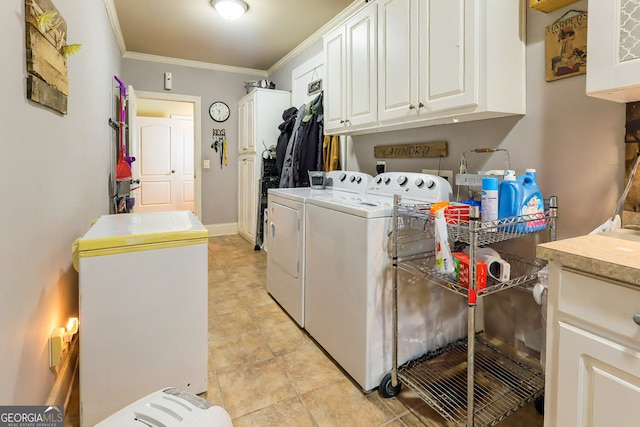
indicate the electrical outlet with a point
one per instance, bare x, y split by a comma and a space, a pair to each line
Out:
446, 174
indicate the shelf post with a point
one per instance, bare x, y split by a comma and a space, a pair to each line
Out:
474, 224
397, 199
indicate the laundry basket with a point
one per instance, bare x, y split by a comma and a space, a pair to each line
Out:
169, 407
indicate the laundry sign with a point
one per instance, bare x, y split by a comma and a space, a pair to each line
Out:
411, 151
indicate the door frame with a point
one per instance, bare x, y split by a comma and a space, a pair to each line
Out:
197, 138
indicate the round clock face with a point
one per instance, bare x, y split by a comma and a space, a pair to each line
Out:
219, 111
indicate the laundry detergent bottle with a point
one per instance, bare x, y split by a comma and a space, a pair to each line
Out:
532, 202
511, 196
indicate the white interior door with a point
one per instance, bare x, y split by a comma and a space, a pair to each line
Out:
165, 165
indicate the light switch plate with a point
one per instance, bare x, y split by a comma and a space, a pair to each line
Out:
207, 164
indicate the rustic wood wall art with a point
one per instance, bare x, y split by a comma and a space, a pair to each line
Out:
411, 151
566, 47
47, 48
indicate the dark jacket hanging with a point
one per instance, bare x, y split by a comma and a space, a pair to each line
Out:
286, 129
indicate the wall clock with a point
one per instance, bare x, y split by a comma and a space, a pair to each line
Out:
219, 111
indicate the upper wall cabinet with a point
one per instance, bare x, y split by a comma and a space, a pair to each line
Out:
613, 70
424, 58
443, 61
350, 60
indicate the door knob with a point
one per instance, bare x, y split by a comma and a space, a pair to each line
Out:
412, 107
636, 318
173, 171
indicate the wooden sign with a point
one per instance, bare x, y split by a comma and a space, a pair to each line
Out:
46, 34
411, 151
566, 48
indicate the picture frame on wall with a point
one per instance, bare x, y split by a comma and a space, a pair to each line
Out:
566, 47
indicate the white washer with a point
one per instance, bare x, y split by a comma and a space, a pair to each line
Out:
286, 236
348, 301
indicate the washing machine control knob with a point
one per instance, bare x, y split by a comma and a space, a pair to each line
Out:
352, 178
402, 180
342, 177
430, 183
378, 180
358, 179
387, 180
419, 182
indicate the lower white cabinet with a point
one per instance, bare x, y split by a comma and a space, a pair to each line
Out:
247, 196
593, 355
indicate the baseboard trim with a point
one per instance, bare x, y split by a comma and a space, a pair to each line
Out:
222, 229
62, 387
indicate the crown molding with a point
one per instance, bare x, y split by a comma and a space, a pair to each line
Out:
115, 25
193, 64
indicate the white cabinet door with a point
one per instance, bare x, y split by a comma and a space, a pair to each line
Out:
246, 132
598, 381
350, 58
614, 50
362, 80
248, 186
427, 57
398, 59
334, 102
448, 64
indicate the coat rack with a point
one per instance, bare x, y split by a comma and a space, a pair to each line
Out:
219, 144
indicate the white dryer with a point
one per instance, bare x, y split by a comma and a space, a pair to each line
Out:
348, 301
285, 236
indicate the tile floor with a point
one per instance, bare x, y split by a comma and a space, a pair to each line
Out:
265, 371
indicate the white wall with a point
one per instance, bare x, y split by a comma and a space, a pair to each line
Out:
575, 142
54, 171
219, 186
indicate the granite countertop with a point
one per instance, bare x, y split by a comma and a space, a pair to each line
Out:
611, 254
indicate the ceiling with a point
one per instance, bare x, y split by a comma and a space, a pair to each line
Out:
192, 30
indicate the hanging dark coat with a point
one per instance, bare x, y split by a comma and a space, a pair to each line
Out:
286, 129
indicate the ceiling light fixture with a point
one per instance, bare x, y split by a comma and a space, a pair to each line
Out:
230, 9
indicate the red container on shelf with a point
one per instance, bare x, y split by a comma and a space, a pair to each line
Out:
463, 271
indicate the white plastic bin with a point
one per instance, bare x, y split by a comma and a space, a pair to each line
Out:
169, 407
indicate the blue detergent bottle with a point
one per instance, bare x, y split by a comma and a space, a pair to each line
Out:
532, 202
510, 199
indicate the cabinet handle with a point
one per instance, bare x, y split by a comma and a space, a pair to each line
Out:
341, 122
636, 319
420, 105
412, 107
347, 121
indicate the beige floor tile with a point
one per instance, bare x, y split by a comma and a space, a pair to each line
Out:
342, 404
407, 399
219, 290
224, 305
285, 337
213, 394
246, 282
268, 315
254, 297
239, 350
254, 387
290, 412
309, 368
226, 325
